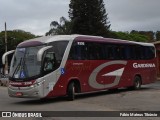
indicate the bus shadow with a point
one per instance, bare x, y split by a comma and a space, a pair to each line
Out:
42, 101
108, 92
80, 96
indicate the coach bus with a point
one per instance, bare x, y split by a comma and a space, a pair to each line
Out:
66, 65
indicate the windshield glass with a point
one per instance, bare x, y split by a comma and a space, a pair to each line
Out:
24, 63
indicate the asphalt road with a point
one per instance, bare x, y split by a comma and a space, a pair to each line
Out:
146, 99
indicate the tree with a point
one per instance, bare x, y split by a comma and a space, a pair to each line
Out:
63, 27
14, 38
89, 17
129, 36
149, 34
158, 35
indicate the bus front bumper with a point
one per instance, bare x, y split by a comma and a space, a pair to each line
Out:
26, 92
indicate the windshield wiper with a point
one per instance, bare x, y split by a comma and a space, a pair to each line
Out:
24, 68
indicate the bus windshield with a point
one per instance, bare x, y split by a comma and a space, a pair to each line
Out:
24, 63
25, 66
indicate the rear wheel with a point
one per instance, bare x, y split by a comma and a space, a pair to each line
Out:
137, 83
71, 91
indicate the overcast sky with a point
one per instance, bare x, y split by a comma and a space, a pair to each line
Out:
35, 16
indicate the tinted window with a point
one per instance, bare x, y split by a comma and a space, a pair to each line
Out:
58, 48
78, 51
149, 52
107, 51
95, 51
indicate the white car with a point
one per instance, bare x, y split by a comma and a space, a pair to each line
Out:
3, 80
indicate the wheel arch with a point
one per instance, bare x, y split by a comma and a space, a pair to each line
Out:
76, 83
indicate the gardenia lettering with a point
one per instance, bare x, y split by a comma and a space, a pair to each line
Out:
147, 65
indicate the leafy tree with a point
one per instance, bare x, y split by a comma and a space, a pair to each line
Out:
14, 38
129, 36
149, 34
89, 17
60, 28
158, 35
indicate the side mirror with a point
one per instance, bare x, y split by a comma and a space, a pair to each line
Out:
41, 51
6, 54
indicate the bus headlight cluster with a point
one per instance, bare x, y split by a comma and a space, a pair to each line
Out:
37, 84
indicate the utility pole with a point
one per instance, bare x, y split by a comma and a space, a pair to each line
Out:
6, 65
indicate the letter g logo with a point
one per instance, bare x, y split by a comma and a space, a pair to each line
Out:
118, 73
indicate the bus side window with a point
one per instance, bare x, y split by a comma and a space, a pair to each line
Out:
110, 52
149, 53
127, 52
58, 48
93, 51
119, 52
78, 51
138, 53
72, 52
49, 62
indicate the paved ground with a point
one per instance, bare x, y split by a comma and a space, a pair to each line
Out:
146, 99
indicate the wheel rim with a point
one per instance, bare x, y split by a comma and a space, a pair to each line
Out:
73, 90
137, 84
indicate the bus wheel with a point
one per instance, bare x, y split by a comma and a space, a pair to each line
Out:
137, 83
1, 84
71, 91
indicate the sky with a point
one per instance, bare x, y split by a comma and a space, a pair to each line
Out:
35, 16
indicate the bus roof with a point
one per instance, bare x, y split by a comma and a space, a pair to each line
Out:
48, 39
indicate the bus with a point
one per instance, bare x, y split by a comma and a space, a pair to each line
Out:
66, 65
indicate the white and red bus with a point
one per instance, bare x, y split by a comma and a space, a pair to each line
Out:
69, 64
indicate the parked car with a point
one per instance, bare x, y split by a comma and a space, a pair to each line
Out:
4, 80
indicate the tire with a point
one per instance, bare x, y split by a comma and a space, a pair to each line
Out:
71, 91
137, 83
1, 84
6, 84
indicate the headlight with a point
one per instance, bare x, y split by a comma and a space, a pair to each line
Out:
37, 84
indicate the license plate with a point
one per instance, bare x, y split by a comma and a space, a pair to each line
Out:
19, 94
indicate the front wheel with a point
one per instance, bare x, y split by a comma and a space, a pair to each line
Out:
71, 91
1, 84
